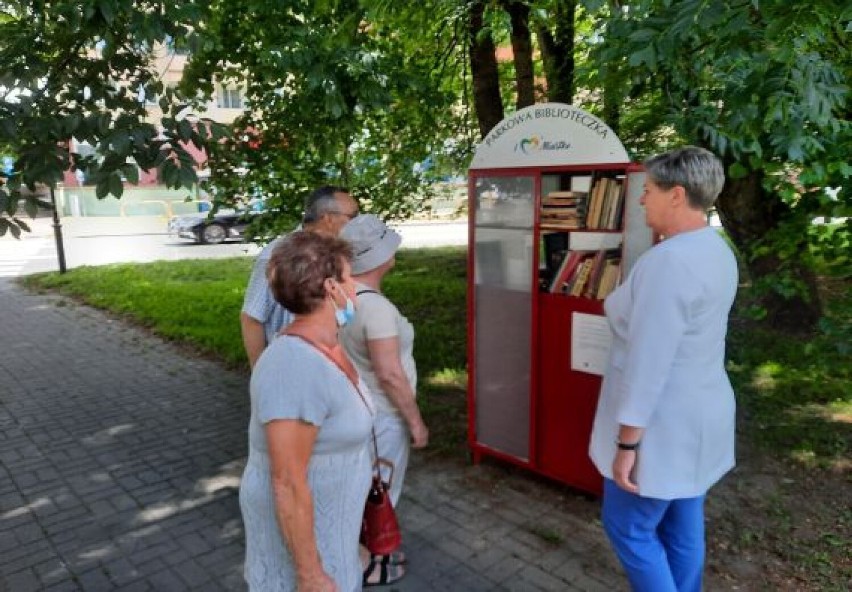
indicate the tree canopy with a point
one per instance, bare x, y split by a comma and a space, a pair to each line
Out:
83, 70
767, 87
388, 97
332, 96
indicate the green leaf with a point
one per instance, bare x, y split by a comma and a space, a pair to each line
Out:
4, 226
737, 171
645, 56
8, 128
120, 142
104, 122
169, 173
131, 171
102, 188
187, 177
185, 130
107, 10
22, 224
15, 230
116, 187
31, 207
642, 35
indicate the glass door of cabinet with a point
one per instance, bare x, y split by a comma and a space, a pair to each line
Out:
504, 214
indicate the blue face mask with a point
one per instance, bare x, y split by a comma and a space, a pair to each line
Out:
344, 316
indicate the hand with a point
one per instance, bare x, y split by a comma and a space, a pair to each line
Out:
319, 582
419, 435
622, 470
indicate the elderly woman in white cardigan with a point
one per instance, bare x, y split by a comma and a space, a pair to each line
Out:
664, 429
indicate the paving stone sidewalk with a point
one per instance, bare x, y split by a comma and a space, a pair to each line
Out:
120, 458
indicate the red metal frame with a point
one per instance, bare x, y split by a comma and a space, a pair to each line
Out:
581, 473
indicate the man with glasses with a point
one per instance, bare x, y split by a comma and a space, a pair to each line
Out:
327, 211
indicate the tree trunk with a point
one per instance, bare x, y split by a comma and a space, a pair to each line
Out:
611, 83
519, 14
611, 106
557, 52
749, 214
487, 101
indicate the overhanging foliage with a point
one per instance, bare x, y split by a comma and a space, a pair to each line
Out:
83, 70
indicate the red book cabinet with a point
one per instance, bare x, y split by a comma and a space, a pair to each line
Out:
554, 223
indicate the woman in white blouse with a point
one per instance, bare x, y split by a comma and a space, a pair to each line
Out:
664, 429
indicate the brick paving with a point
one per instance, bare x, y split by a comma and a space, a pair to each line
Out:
120, 457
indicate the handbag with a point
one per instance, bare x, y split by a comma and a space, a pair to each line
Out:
379, 528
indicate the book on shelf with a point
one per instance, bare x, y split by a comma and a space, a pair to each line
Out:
587, 274
555, 245
557, 224
563, 209
590, 289
580, 278
595, 198
564, 198
566, 270
609, 279
566, 194
614, 203
605, 204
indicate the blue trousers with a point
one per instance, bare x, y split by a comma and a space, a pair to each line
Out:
660, 543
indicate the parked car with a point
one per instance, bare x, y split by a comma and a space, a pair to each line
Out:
225, 224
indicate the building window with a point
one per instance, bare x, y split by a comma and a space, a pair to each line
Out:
230, 98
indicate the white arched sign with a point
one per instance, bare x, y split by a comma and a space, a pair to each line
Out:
549, 134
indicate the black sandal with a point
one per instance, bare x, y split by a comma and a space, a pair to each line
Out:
385, 577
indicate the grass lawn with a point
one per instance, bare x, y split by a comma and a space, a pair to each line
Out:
795, 396
197, 303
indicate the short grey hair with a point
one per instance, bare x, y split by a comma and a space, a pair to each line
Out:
321, 201
698, 171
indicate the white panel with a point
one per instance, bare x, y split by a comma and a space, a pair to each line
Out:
638, 237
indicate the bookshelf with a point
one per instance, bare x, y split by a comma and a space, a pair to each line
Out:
553, 230
583, 257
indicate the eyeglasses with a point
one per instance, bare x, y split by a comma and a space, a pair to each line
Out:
349, 215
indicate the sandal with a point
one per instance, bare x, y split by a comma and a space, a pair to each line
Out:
393, 558
388, 572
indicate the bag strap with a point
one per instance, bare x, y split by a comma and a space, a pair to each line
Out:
350, 373
377, 460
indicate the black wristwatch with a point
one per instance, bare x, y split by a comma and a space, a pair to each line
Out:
624, 446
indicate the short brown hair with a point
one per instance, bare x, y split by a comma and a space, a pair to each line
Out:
299, 266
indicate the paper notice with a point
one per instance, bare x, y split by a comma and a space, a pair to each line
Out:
590, 343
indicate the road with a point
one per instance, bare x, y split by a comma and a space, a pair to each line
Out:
100, 241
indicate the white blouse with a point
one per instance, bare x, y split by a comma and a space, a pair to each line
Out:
666, 370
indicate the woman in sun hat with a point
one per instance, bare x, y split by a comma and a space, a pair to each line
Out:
380, 342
